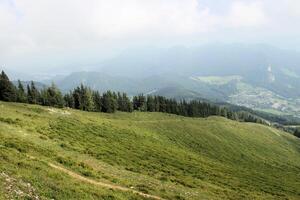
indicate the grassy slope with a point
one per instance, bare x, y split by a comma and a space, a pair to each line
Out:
169, 156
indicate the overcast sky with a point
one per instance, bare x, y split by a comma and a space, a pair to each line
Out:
47, 34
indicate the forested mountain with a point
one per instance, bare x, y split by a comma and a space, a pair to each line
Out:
259, 65
258, 76
86, 99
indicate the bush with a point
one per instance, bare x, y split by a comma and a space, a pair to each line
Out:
8, 120
297, 133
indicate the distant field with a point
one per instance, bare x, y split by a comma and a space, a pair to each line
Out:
272, 111
217, 80
68, 154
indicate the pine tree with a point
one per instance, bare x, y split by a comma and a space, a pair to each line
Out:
83, 98
97, 101
29, 95
52, 96
120, 102
150, 104
7, 89
33, 95
139, 102
135, 103
87, 102
173, 106
21, 95
162, 104
86, 99
183, 108
115, 97
109, 102
44, 99
156, 103
69, 100
128, 107
223, 112
77, 98
297, 133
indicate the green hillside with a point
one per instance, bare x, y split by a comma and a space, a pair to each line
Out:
48, 153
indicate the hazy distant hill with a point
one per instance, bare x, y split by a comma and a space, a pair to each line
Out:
257, 76
250, 62
38, 85
177, 93
216, 88
97, 81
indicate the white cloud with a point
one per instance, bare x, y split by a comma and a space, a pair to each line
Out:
247, 14
57, 26
292, 7
114, 18
51, 22
70, 25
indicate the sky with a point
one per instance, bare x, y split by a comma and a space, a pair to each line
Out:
51, 34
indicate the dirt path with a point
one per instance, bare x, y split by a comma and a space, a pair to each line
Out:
101, 184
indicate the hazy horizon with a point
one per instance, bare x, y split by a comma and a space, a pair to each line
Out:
43, 36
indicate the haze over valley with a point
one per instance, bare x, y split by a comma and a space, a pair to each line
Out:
253, 76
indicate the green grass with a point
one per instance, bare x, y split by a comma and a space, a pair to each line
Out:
273, 111
164, 155
218, 80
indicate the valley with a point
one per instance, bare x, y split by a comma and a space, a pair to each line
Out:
260, 77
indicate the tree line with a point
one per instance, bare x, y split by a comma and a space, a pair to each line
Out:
86, 99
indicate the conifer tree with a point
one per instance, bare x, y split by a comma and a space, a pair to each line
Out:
135, 103
84, 98
150, 104
69, 100
223, 112
120, 101
109, 102
52, 96
115, 97
162, 104
173, 106
33, 95
7, 89
97, 101
21, 95
140, 102
156, 103
29, 95
44, 99
127, 103
77, 97
297, 132
87, 102
124, 103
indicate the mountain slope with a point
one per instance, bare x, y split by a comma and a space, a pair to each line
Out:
178, 93
97, 81
255, 76
240, 92
164, 155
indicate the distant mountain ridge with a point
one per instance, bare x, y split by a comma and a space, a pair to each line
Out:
38, 85
257, 76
